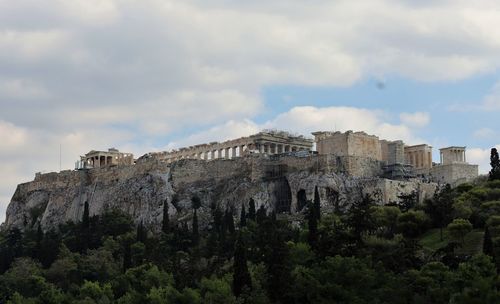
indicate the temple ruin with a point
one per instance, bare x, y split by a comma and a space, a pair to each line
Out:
99, 159
267, 142
351, 153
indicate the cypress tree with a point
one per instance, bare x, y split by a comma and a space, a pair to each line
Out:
312, 224
229, 221
127, 256
86, 217
317, 204
141, 233
85, 236
243, 217
196, 233
495, 164
165, 227
261, 214
251, 210
241, 276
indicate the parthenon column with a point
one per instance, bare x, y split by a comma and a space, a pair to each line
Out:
220, 153
227, 153
233, 152
212, 154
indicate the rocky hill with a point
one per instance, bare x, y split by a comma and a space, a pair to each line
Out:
143, 189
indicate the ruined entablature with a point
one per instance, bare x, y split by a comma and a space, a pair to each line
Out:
266, 142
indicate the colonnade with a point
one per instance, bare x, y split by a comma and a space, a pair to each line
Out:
220, 151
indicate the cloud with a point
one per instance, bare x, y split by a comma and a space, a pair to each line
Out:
417, 119
480, 157
138, 74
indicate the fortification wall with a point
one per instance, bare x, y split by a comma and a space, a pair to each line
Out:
454, 174
359, 166
363, 145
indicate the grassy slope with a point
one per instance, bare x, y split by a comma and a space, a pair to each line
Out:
473, 241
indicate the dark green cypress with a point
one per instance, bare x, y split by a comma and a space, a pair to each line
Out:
141, 233
196, 233
86, 217
312, 223
261, 214
243, 217
317, 204
241, 276
229, 221
165, 228
251, 210
85, 235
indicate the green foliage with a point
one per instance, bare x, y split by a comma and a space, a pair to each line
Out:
412, 223
459, 228
495, 165
365, 254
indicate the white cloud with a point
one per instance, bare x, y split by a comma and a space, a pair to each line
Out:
480, 157
417, 119
93, 74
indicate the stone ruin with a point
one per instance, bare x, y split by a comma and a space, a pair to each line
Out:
351, 153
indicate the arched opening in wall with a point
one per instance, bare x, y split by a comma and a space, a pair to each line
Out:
283, 195
301, 200
102, 161
109, 160
332, 197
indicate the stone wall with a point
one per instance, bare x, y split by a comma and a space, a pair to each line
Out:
454, 174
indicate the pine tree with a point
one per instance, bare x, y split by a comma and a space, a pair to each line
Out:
495, 164
243, 217
196, 233
165, 228
317, 204
312, 223
241, 276
251, 210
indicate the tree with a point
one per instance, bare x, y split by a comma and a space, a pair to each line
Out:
243, 217
412, 223
359, 217
165, 225
141, 233
229, 221
261, 214
440, 208
317, 204
312, 224
241, 276
85, 217
251, 210
459, 228
195, 202
196, 233
495, 165
487, 242
85, 236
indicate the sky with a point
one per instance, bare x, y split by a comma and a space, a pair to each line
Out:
152, 75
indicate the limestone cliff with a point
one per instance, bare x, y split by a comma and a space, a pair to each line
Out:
142, 189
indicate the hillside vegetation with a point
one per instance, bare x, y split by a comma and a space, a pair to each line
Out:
446, 250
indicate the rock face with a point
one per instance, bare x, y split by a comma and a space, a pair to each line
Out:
142, 190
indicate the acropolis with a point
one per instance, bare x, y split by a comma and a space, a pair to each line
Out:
352, 153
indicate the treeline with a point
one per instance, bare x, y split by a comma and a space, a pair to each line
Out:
366, 254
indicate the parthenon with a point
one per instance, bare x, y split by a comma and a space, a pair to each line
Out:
266, 142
